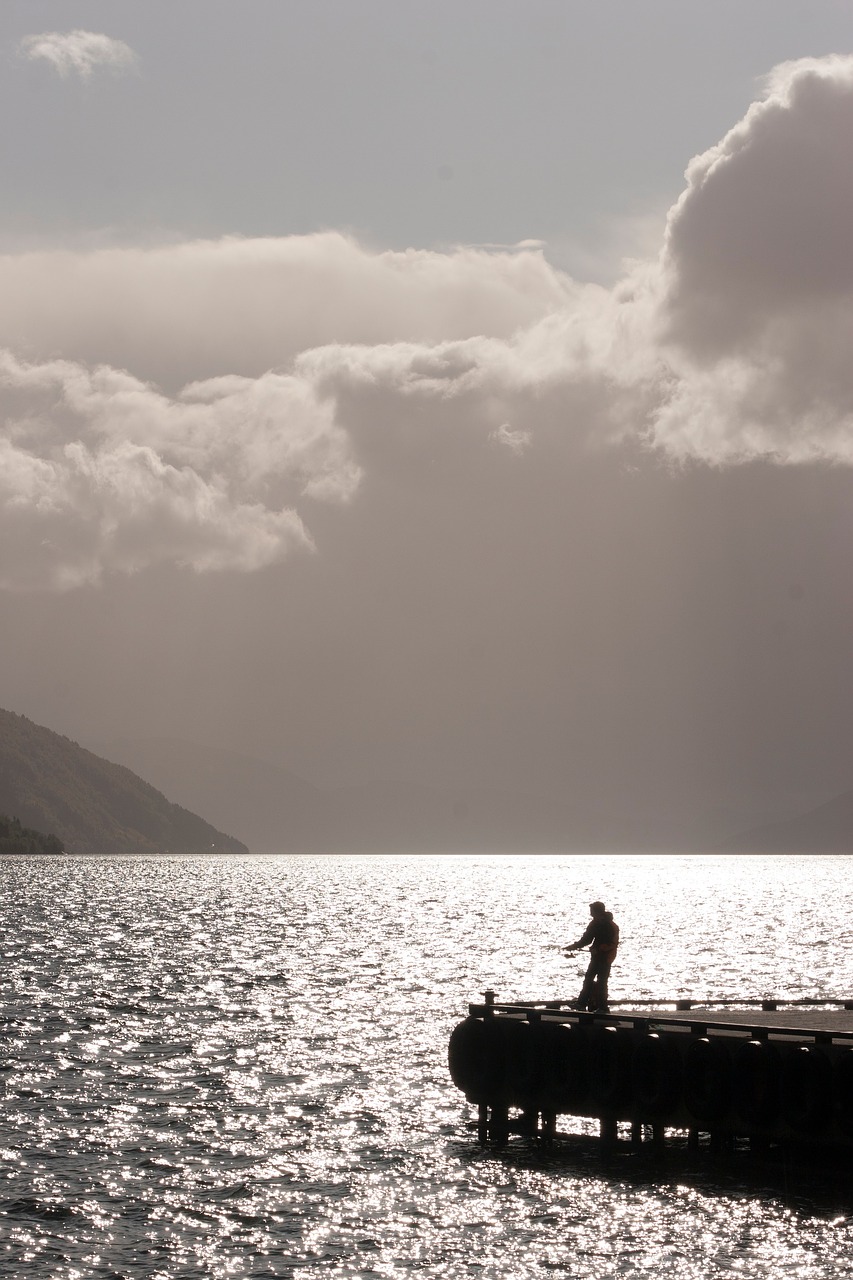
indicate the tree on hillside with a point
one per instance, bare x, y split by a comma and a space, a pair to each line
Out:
23, 840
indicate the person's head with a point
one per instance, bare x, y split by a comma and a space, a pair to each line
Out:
597, 910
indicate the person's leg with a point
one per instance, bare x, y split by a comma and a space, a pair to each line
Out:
586, 994
601, 988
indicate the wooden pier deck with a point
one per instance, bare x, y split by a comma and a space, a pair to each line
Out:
814, 1018
769, 1071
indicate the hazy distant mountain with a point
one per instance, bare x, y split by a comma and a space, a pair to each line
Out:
825, 829
413, 818
51, 784
278, 812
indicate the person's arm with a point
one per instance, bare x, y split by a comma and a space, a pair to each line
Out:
583, 941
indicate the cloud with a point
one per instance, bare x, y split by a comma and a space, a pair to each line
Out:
103, 473
239, 411
763, 226
83, 513
199, 309
79, 52
515, 441
756, 281
209, 395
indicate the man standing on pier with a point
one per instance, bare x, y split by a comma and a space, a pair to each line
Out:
602, 937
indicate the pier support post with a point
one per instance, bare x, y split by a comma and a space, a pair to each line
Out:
721, 1143
692, 1139
482, 1124
499, 1126
636, 1134
528, 1123
607, 1132
549, 1127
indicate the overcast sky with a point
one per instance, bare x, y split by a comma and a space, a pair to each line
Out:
457, 392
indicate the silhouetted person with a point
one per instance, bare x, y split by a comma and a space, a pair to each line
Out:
602, 937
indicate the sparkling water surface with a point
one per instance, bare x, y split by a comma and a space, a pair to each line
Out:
238, 1066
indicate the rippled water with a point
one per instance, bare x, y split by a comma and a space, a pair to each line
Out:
237, 1066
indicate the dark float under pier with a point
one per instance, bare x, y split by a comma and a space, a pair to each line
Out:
742, 1076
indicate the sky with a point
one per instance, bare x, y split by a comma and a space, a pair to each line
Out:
446, 393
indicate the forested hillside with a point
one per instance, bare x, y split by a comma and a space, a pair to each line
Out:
51, 784
17, 839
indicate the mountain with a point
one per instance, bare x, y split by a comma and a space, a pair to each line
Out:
411, 817
279, 812
275, 810
51, 784
825, 829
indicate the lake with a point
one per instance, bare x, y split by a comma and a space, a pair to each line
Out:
218, 1067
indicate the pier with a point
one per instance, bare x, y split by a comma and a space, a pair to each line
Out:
767, 1071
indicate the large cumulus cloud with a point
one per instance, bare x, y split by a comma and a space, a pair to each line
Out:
193, 402
756, 281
